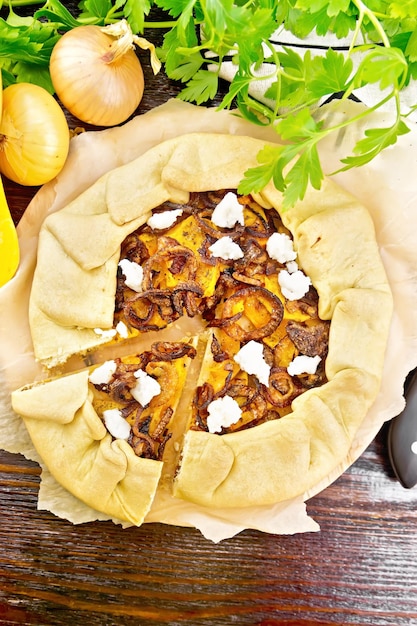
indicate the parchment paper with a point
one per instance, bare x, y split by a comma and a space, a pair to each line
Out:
385, 186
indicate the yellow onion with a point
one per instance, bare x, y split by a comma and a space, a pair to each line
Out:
34, 135
96, 73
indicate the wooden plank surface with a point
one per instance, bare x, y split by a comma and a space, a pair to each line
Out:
361, 568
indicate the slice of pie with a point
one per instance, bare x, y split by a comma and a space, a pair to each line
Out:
102, 432
258, 335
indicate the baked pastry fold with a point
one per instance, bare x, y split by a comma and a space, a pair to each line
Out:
81, 454
73, 294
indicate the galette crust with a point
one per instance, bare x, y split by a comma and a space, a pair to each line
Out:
73, 293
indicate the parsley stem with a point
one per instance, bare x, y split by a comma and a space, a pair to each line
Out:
363, 10
21, 3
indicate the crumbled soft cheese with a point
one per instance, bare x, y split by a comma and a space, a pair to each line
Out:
116, 424
228, 212
293, 286
106, 334
251, 360
160, 221
133, 274
102, 374
222, 413
303, 364
146, 388
122, 329
292, 266
227, 249
281, 248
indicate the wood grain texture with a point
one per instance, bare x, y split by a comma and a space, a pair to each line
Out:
361, 568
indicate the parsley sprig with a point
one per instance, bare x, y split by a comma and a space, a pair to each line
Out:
200, 34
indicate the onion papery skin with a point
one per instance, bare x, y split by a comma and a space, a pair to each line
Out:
96, 91
34, 135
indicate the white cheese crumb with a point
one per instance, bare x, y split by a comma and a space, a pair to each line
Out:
227, 249
223, 412
102, 374
146, 388
293, 286
303, 364
228, 212
251, 360
292, 266
116, 424
122, 329
133, 274
281, 248
160, 221
106, 334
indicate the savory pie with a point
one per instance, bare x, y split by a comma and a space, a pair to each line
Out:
243, 345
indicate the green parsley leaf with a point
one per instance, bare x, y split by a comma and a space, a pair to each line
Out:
299, 126
253, 111
176, 8
94, 11
239, 86
403, 9
25, 51
376, 140
135, 12
298, 80
181, 65
411, 49
58, 14
32, 73
256, 178
202, 87
296, 181
329, 74
386, 66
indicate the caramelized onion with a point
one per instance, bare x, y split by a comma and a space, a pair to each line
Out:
282, 388
122, 381
162, 424
217, 351
143, 445
264, 225
246, 393
224, 283
250, 400
254, 297
309, 340
134, 249
204, 221
308, 304
168, 351
203, 396
140, 309
184, 296
242, 278
176, 258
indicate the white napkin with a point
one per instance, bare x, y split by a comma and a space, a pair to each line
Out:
317, 44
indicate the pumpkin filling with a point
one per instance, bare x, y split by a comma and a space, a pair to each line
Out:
170, 269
